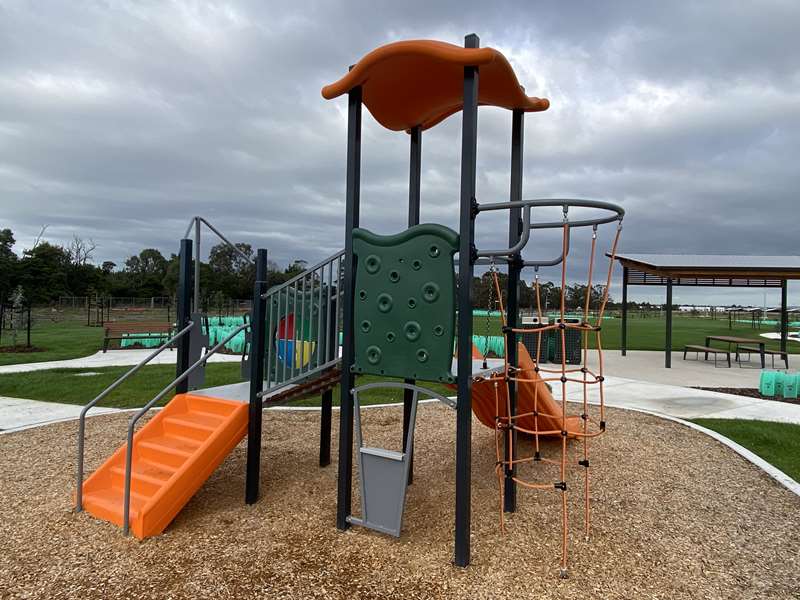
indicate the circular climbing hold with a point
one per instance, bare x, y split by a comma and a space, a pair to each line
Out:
372, 264
433, 251
394, 276
390, 336
366, 326
373, 355
417, 264
412, 331
362, 294
422, 355
412, 303
385, 302
430, 292
438, 330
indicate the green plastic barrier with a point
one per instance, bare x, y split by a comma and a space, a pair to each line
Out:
791, 382
493, 344
766, 385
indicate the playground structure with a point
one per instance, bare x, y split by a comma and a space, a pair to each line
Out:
396, 300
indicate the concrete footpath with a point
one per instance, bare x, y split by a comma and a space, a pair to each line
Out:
18, 413
112, 358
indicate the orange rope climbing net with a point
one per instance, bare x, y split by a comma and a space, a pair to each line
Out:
508, 422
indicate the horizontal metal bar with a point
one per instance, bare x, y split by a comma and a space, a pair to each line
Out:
523, 240
405, 386
565, 203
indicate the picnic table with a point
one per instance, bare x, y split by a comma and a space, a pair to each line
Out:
732, 339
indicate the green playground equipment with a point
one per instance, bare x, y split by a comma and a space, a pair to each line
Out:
405, 303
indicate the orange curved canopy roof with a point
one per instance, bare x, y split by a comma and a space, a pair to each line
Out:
421, 82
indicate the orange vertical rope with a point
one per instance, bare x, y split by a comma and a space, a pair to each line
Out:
585, 414
563, 470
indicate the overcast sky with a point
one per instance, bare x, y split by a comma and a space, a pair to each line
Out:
120, 120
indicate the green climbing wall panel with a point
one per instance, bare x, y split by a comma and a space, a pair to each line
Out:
405, 303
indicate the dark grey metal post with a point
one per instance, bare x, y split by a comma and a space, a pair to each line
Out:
258, 338
184, 313
196, 264
466, 269
352, 201
414, 185
668, 337
512, 293
326, 401
784, 315
624, 324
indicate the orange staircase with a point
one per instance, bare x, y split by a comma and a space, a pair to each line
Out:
173, 455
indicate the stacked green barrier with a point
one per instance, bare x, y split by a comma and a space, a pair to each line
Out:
779, 383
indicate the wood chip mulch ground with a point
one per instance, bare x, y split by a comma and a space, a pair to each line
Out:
675, 515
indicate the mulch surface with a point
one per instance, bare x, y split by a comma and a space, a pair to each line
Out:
20, 349
749, 393
675, 515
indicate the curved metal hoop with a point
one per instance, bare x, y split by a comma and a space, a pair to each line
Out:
618, 213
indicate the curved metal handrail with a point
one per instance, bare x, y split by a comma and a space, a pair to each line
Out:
103, 394
142, 411
527, 225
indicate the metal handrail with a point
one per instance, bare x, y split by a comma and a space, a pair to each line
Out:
103, 394
527, 225
129, 447
219, 235
299, 276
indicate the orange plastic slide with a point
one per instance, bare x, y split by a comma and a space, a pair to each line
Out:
173, 455
483, 399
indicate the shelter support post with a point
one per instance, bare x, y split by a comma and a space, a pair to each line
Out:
668, 337
257, 352
512, 294
414, 185
184, 312
352, 202
466, 268
624, 324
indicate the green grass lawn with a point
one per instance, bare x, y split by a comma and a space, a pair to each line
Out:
776, 443
73, 386
648, 333
59, 340
73, 339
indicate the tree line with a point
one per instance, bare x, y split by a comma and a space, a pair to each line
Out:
47, 271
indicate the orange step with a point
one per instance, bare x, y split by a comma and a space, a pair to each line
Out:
173, 455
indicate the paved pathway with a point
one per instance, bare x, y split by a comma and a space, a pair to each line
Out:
112, 358
18, 413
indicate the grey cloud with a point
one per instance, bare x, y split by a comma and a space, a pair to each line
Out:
119, 122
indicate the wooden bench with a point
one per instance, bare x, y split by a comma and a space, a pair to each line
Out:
135, 330
784, 356
707, 350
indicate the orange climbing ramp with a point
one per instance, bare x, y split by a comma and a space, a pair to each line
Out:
173, 455
529, 394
